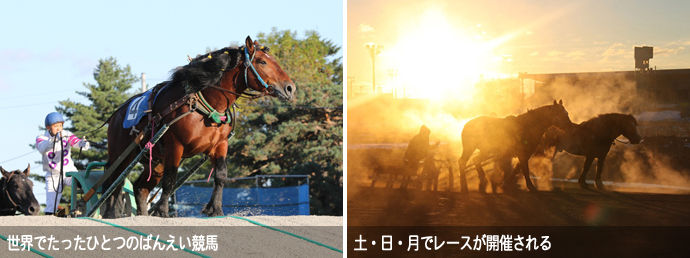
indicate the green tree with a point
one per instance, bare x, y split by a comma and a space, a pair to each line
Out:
304, 137
103, 98
109, 92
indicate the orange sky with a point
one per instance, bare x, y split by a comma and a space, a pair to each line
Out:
435, 44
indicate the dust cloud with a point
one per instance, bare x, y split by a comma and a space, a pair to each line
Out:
379, 128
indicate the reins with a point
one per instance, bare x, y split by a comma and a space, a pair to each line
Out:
266, 91
205, 108
15, 206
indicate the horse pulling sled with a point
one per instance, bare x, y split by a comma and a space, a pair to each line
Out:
189, 115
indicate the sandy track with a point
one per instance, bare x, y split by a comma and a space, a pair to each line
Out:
235, 237
561, 207
580, 223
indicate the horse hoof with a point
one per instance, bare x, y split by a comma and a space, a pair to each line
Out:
161, 214
584, 185
482, 189
482, 186
210, 211
600, 186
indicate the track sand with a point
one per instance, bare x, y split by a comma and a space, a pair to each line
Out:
235, 237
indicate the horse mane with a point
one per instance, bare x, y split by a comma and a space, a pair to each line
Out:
201, 72
208, 69
607, 117
532, 111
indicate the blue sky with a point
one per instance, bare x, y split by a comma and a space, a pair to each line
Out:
500, 37
48, 50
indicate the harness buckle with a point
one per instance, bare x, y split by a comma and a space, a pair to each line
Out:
134, 131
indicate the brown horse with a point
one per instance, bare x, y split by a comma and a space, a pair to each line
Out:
504, 138
593, 139
16, 193
221, 77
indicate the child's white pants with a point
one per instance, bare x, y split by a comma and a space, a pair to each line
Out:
52, 184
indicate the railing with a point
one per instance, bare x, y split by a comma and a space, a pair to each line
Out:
261, 199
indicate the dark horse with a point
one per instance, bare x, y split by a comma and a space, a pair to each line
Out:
221, 77
16, 193
505, 138
593, 139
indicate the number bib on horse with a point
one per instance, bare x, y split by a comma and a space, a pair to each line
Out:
136, 109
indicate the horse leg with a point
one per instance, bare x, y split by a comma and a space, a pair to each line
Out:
524, 166
600, 169
480, 171
143, 186
171, 162
214, 208
114, 206
374, 177
585, 168
462, 162
506, 166
408, 171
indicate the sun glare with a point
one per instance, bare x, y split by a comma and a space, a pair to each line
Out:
438, 58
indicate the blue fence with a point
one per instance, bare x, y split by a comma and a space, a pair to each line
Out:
278, 201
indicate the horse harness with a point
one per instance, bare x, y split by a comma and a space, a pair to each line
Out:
6, 193
196, 102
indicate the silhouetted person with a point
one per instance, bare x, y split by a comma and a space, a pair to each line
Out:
417, 150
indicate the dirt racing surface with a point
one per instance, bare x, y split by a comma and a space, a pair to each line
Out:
576, 222
559, 207
280, 236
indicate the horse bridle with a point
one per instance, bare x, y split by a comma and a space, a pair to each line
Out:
268, 89
15, 206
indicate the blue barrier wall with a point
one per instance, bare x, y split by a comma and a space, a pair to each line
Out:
280, 201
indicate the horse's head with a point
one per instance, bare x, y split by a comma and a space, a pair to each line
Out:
628, 125
551, 138
559, 116
264, 72
18, 192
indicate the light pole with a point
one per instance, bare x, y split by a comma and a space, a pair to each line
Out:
374, 50
393, 74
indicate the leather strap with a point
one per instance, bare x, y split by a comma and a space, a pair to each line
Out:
172, 107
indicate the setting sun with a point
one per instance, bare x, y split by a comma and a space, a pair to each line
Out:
437, 57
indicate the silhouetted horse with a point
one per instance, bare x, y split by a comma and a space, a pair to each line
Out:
16, 193
221, 77
504, 138
405, 170
393, 171
593, 139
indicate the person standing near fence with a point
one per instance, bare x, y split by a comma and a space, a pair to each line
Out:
56, 148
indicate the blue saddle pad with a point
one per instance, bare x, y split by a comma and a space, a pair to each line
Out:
136, 109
